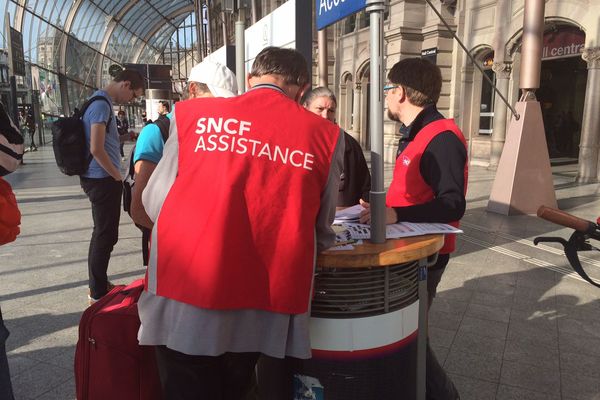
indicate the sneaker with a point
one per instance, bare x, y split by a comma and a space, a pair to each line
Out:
109, 286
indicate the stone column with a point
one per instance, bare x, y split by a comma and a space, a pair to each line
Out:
590, 127
502, 71
356, 108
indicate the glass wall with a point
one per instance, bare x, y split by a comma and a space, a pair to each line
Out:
69, 45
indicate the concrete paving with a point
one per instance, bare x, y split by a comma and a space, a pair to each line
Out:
511, 320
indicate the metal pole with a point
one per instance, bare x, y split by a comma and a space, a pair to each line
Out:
375, 9
240, 54
511, 108
224, 27
12, 107
422, 334
254, 12
322, 43
199, 29
209, 43
531, 50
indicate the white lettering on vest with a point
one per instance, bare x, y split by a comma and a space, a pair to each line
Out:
265, 151
226, 135
217, 125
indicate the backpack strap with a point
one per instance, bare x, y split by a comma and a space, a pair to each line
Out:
163, 124
89, 101
84, 108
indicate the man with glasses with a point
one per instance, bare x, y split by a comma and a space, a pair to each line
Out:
430, 176
102, 181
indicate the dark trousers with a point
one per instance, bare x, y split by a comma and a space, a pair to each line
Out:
6, 392
146, 233
275, 377
32, 137
105, 196
184, 377
438, 385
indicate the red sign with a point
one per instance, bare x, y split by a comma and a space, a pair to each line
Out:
566, 42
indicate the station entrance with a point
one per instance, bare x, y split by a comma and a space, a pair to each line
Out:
562, 92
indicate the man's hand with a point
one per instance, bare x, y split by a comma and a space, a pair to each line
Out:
365, 215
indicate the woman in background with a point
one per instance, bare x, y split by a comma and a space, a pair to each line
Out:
355, 181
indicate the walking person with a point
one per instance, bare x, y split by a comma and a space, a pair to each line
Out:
102, 182
430, 177
30, 122
123, 129
242, 199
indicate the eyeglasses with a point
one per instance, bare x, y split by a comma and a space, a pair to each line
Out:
135, 95
390, 87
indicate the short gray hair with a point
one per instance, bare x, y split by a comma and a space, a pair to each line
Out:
201, 87
320, 91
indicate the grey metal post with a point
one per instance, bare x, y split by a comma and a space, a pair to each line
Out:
323, 71
254, 12
224, 28
375, 9
199, 29
240, 56
422, 334
531, 49
209, 42
13, 108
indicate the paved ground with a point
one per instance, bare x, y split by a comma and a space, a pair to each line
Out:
510, 321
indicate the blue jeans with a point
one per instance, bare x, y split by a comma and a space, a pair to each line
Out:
6, 392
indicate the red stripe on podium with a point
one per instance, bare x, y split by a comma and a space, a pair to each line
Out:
366, 353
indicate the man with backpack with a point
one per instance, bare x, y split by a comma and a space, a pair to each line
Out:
207, 79
102, 181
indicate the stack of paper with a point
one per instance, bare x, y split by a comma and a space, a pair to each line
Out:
350, 214
400, 230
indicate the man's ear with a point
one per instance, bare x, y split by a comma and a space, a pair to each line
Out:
248, 77
192, 90
402, 95
301, 92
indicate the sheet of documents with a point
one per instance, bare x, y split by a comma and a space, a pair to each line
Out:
350, 214
400, 230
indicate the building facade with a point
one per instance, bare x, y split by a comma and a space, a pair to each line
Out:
491, 30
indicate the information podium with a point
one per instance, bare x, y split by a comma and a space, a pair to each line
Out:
367, 308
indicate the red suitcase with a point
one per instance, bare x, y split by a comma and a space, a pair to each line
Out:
109, 362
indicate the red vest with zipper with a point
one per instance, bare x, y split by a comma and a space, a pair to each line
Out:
237, 228
408, 187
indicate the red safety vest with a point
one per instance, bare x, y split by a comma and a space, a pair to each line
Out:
408, 187
10, 216
237, 228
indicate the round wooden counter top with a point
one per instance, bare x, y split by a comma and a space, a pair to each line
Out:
393, 251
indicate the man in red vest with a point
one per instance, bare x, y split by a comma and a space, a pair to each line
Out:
241, 201
430, 175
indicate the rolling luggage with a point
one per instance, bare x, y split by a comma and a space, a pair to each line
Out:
109, 362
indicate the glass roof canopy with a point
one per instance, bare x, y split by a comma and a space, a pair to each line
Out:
76, 41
